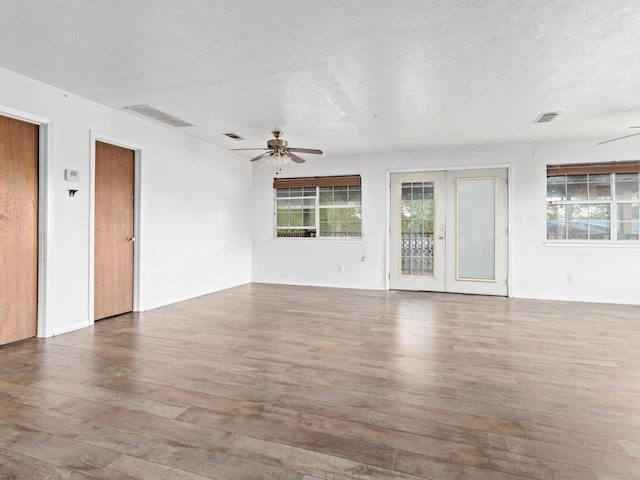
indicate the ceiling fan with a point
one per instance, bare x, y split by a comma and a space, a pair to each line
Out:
620, 138
279, 152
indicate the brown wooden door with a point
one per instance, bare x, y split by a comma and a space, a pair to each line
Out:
113, 265
18, 230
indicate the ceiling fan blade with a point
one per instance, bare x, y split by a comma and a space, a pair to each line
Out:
295, 158
619, 138
305, 150
248, 149
260, 156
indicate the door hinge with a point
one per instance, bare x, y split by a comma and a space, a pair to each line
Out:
506, 281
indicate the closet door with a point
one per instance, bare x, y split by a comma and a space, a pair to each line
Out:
18, 230
114, 237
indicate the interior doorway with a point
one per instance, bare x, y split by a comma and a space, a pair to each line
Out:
19, 199
448, 231
114, 238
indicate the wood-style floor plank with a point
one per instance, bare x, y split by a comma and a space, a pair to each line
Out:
301, 383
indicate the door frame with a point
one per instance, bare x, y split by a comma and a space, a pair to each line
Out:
137, 205
45, 213
445, 168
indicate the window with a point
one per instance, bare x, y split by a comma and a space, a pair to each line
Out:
593, 201
318, 206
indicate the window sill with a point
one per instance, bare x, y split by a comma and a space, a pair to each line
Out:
592, 243
318, 239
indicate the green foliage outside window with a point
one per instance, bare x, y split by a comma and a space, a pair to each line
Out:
593, 206
319, 211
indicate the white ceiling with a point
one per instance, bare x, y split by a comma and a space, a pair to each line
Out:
345, 76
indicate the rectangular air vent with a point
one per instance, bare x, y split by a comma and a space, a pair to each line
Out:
158, 115
546, 117
235, 136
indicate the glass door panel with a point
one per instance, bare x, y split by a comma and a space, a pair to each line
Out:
416, 225
476, 245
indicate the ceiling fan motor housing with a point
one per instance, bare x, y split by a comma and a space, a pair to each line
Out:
277, 145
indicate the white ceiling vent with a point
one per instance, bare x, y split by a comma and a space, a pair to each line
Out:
235, 136
546, 117
158, 115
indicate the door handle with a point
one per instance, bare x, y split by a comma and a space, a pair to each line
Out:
131, 239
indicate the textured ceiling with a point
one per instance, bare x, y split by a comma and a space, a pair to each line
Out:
344, 76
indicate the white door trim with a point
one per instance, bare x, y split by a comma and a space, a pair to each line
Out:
137, 208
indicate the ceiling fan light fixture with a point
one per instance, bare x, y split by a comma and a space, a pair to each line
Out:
278, 159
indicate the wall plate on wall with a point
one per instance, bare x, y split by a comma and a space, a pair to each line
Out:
71, 175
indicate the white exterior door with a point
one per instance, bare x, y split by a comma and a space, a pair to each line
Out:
417, 246
449, 231
477, 218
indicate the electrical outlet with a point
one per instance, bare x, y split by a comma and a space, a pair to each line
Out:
340, 268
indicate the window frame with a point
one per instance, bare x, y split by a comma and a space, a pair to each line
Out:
317, 183
613, 201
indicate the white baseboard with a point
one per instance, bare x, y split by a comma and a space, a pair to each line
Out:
184, 298
321, 284
70, 328
617, 301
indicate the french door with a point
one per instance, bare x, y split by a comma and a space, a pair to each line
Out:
449, 231
417, 243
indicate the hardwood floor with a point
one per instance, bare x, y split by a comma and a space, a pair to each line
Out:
300, 383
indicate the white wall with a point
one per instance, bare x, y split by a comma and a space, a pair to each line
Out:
198, 203
538, 269
195, 235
